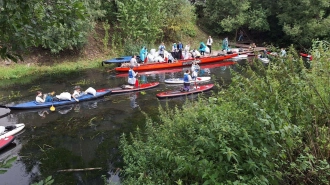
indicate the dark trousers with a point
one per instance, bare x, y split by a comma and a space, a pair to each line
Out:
180, 54
186, 86
209, 46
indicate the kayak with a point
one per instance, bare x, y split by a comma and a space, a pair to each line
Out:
179, 69
36, 105
6, 141
10, 130
118, 90
179, 63
118, 60
193, 90
306, 56
180, 80
264, 60
239, 57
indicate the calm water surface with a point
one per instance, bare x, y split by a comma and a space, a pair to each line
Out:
84, 135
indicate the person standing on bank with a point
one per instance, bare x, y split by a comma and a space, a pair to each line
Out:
241, 34
209, 44
202, 48
225, 45
143, 53
180, 48
162, 48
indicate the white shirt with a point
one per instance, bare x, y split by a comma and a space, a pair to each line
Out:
133, 62
132, 80
187, 48
76, 94
209, 41
39, 99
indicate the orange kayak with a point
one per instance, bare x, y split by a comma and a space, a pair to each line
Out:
179, 63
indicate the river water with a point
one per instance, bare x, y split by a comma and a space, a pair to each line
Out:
84, 135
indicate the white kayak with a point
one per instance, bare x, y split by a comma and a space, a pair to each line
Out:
180, 80
264, 60
10, 130
243, 56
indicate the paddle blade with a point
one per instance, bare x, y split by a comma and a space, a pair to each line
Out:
52, 108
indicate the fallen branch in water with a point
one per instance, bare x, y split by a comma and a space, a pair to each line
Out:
78, 170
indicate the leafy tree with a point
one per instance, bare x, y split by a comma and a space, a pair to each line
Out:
269, 128
180, 19
141, 20
55, 25
233, 14
304, 20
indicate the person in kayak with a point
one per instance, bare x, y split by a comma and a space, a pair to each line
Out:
40, 98
76, 93
186, 81
133, 61
131, 76
195, 54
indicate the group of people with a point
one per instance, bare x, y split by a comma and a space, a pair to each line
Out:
50, 97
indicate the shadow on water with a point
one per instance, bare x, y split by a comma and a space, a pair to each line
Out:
84, 135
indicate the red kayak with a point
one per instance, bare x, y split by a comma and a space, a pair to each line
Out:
6, 141
193, 90
118, 90
306, 56
178, 69
179, 63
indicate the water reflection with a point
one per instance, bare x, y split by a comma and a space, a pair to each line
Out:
43, 113
133, 97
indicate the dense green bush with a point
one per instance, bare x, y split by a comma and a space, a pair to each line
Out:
53, 25
269, 128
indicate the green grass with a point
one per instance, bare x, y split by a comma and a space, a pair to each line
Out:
20, 70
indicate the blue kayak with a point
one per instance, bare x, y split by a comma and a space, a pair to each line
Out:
35, 105
118, 60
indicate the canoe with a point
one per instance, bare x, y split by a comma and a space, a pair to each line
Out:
306, 56
264, 60
10, 130
118, 60
35, 105
193, 90
6, 141
180, 80
179, 63
239, 57
179, 69
145, 86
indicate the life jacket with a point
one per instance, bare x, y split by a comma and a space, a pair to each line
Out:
186, 78
130, 74
162, 48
